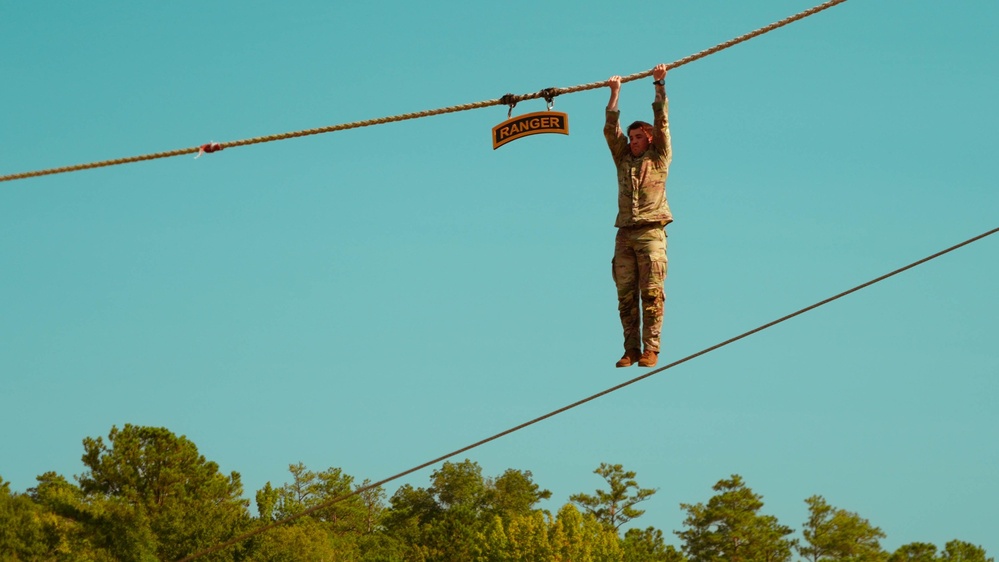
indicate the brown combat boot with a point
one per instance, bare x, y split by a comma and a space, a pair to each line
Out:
630, 357
648, 358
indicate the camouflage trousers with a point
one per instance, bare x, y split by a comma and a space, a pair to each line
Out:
639, 268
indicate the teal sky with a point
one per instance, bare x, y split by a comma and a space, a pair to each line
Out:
372, 299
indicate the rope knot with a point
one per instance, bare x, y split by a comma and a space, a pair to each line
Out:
549, 95
209, 148
510, 100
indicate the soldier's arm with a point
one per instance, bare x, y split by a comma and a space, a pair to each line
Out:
660, 113
614, 83
612, 126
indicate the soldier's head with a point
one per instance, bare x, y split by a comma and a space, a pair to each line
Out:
639, 137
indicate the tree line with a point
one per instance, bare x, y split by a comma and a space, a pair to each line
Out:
148, 495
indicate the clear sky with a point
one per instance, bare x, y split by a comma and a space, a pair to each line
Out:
372, 299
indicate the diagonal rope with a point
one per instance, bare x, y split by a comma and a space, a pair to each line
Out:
505, 100
362, 489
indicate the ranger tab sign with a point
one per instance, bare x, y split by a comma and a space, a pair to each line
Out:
530, 124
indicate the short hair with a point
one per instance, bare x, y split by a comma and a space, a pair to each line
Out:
647, 127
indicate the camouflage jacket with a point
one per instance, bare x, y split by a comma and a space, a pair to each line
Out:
641, 180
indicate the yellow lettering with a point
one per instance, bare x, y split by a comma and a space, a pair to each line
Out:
541, 122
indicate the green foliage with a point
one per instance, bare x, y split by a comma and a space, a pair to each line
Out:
960, 551
22, 536
915, 552
302, 542
67, 519
731, 529
835, 534
954, 551
616, 506
310, 490
582, 537
514, 493
149, 495
527, 538
648, 546
456, 515
459, 486
267, 498
337, 527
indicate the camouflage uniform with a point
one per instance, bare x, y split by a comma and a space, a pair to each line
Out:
639, 264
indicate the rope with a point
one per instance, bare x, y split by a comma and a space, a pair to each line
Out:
508, 99
360, 490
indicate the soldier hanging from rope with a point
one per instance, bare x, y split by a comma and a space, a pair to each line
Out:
642, 159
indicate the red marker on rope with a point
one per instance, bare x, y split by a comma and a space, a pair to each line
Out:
209, 148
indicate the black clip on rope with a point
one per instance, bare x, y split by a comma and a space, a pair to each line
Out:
510, 100
549, 95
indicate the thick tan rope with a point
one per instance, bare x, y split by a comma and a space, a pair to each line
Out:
374, 485
505, 100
